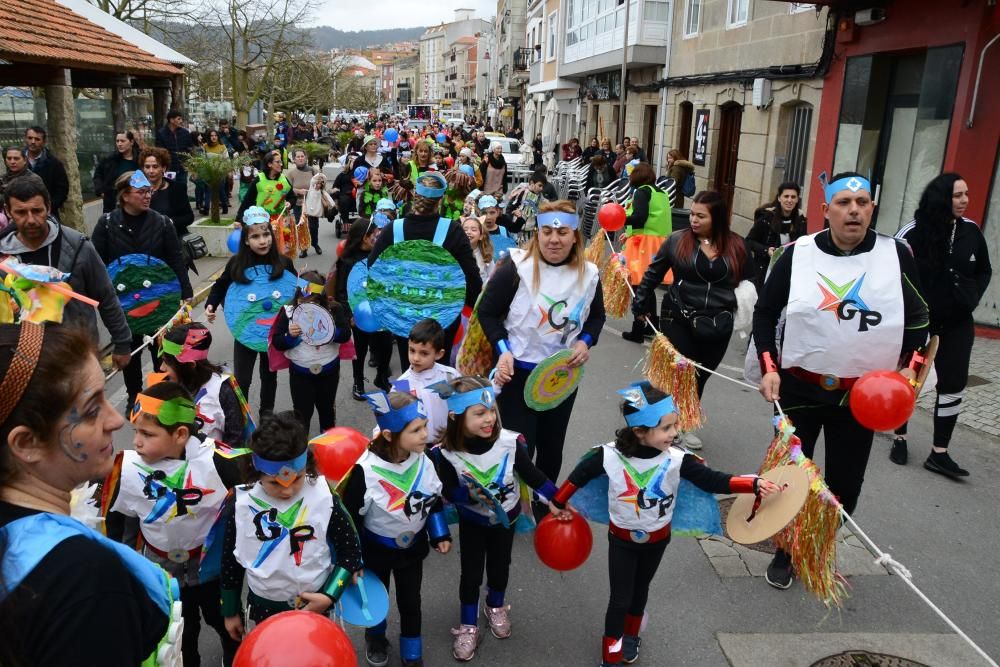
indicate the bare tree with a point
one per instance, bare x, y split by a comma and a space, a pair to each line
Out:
149, 15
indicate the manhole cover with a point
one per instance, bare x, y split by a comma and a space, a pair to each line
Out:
976, 381
767, 546
865, 659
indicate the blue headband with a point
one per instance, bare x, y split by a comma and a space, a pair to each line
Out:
649, 414
284, 472
256, 215
460, 401
394, 420
139, 180
558, 219
428, 191
852, 183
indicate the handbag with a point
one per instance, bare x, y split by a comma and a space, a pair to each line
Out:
712, 327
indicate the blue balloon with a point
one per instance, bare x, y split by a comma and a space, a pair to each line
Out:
233, 241
442, 137
467, 170
364, 318
391, 135
361, 174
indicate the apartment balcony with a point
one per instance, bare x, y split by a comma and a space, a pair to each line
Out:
522, 59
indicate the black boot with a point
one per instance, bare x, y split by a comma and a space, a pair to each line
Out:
636, 335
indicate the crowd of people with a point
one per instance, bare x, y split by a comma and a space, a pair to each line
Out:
208, 483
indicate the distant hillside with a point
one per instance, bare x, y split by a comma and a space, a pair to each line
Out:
325, 37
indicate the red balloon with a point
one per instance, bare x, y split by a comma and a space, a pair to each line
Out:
296, 638
563, 545
337, 450
611, 216
340, 247
882, 400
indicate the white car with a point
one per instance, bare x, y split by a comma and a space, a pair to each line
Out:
511, 148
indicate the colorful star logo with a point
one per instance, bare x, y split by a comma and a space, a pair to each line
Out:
284, 522
166, 490
834, 295
493, 475
400, 486
640, 485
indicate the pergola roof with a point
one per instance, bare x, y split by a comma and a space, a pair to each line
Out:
43, 32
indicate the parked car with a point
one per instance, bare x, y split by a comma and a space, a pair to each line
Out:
511, 147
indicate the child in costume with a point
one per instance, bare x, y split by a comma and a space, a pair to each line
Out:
500, 226
477, 461
460, 184
257, 247
644, 471
168, 491
314, 355
482, 246
394, 492
471, 206
221, 406
286, 532
426, 345
371, 192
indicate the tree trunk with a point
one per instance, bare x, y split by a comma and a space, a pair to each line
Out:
214, 210
177, 94
62, 143
118, 109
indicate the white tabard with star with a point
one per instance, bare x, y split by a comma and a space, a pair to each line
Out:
642, 492
398, 496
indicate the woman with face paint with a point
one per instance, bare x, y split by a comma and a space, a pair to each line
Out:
545, 299
68, 595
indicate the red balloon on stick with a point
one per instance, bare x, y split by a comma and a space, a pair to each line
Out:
882, 400
611, 217
337, 450
563, 545
340, 247
296, 638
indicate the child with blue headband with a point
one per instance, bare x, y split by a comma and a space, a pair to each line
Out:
286, 533
644, 471
477, 463
394, 495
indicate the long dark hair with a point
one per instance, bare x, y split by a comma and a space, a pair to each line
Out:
245, 258
774, 222
729, 245
934, 218
356, 237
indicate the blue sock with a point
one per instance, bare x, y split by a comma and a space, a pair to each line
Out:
470, 614
410, 648
494, 598
377, 630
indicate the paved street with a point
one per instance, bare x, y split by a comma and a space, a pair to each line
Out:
709, 613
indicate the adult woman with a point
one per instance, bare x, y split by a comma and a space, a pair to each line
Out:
571, 150
169, 197
134, 228
678, 168
648, 223
370, 157
494, 170
609, 155
590, 151
215, 148
124, 158
601, 174
71, 595
625, 156
774, 225
954, 266
524, 326
708, 261
423, 157
271, 191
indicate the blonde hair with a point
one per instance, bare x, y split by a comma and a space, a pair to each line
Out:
485, 244
576, 256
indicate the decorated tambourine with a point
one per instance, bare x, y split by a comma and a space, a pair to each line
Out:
552, 381
251, 308
413, 281
753, 520
316, 323
148, 291
364, 604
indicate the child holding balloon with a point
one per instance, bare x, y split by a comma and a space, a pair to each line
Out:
287, 533
477, 463
309, 332
644, 471
394, 492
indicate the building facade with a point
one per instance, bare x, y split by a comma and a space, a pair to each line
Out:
430, 82
547, 91
404, 71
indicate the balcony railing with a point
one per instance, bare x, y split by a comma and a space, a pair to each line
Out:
522, 59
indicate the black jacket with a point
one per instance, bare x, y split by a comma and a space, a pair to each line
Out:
177, 143
768, 226
155, 236
700, 286
52, 172
105, 175
173, 202
953, 288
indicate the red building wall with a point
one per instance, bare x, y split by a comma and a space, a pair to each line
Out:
914, 25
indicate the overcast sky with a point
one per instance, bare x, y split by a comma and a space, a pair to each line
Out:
397, 13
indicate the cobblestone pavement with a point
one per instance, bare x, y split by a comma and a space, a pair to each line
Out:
981, 405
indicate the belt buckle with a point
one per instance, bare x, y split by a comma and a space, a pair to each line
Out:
404, 540
316, 369
178, 556
639, 536
829, 382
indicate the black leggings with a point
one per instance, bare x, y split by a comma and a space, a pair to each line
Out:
315, 391
545, 432
406, 566
132, 374
631, 568
707, 352
380, 344
847, 442
313, 229
952, 366
482, 547
244, 359
203, 601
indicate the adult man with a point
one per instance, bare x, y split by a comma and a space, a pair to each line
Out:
640, 154
35, 237
47, 167
230, 136
852, 305
177, 140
